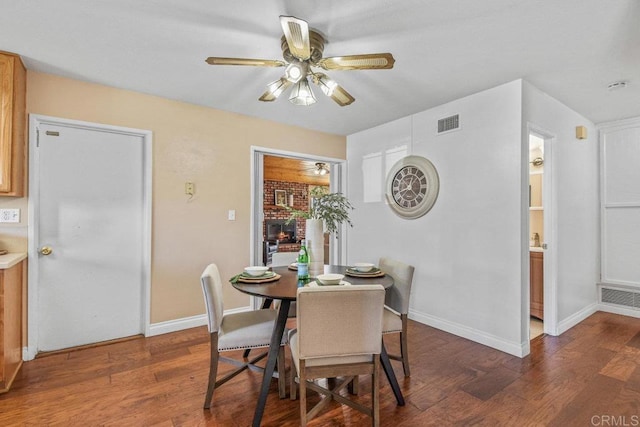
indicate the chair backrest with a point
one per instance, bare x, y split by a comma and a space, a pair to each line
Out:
280, 259
339, 321
398, 295
212, 291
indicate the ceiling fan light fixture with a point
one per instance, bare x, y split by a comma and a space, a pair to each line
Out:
301, 94
296, 71
321, 169
302, 49
275, 89
327, 84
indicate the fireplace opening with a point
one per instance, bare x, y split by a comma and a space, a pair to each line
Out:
277, 230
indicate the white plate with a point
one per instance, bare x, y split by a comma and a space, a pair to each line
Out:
316, 283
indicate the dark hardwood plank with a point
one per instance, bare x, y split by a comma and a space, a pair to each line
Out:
491, 383
635, 341
591, 370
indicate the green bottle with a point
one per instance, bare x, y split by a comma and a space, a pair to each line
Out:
303, 262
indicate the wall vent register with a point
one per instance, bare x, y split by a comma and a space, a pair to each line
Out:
621, 297
449, 123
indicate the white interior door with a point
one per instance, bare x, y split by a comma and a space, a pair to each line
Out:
91, 213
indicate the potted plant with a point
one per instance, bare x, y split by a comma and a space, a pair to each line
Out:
327, 211
331, 208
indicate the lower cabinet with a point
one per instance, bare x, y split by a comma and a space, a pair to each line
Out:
536, 284
10, 324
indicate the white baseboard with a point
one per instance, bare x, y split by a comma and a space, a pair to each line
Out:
573, 320
185, 323
510, 347
616, 309
28, 353
514, 348
176, 325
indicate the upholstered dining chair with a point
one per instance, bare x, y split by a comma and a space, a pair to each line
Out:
283, 259
237, 331
339, 334
397, 306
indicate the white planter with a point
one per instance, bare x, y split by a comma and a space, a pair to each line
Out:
315, 246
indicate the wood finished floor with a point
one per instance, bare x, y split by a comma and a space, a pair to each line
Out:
590, 372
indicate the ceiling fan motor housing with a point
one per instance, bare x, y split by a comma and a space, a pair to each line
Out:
316, 40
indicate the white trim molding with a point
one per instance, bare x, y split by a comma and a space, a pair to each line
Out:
571, 321
618, 257
181, 324
510, 347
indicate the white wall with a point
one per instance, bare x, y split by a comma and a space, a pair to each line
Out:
575, 183
471, 250
468, 249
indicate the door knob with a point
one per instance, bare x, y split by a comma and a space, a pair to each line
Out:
46, 250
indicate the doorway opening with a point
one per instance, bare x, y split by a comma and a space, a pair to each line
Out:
283, 181
542, 316
536, 235
288, 184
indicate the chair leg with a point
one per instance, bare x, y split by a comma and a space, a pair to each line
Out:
282, 385
404, 352
292, 383
375, 393
213, 370
303, 395
354, 386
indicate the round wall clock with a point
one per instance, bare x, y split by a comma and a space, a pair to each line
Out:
412, 187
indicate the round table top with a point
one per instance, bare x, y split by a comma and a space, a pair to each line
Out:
286, 287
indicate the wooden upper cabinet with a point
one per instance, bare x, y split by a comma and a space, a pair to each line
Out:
13, 90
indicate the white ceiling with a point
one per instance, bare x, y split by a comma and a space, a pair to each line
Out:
444, 49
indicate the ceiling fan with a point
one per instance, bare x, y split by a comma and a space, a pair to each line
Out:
302, 52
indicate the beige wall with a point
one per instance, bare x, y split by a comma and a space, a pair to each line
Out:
190, 143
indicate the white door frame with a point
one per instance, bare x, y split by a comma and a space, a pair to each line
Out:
35, 120
338, 181
549, 202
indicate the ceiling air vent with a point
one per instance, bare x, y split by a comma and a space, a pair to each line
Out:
449, 123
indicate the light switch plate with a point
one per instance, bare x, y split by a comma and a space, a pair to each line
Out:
232, 215
9, 215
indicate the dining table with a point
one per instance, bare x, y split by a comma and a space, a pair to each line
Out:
284, 288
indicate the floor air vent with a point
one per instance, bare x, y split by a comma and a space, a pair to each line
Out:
449, 123
620, 297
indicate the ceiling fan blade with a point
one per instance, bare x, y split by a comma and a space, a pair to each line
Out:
296, 31
341, 96
332, 89
275, 89
372, 61
214, 60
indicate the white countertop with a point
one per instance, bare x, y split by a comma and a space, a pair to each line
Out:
535, 249
11, 259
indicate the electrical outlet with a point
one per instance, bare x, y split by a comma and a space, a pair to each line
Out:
9, 215
189, 188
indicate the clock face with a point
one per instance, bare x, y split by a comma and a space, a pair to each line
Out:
412, 187
409, 187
